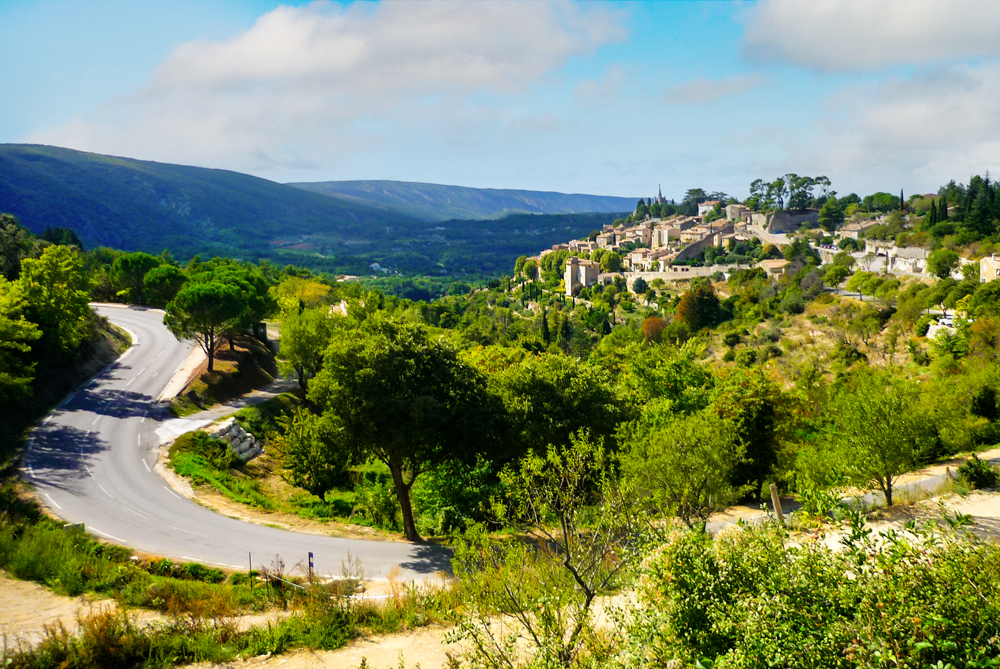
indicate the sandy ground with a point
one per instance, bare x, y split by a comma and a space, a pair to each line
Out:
26, 608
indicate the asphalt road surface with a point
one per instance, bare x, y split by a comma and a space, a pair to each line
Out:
91, 461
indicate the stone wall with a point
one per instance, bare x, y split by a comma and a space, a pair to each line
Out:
243, 444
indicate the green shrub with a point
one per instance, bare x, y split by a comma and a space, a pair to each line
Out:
923, 325
376, 501
978, 473
746, 599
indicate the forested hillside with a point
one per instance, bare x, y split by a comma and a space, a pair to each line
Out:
145, 206
437, 202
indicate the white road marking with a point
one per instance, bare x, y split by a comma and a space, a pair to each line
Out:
159, 354
68, 400
31, 471
53, 501
91, 473
181, 529
156, 375
105, 490
105, 534
147, 465
172, 492
48, 419
95, 420
136, 513
138, 439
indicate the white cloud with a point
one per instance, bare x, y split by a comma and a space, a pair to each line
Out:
310, 83
705, 91
920, 132
603, 90
859, 35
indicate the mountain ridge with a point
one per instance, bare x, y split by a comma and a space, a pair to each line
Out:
441, 202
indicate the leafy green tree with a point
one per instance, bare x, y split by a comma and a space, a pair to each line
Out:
681, 465
755, 405
611, 262
876, 424
942, 263
204, 312
128, 272
54, 290
857, 283
161, 284
549, 397
16, 335
304, 337
836, 275
255, 298
313, 451
831, 216
404, 400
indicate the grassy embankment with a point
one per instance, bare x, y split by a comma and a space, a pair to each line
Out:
238, 371
364, 499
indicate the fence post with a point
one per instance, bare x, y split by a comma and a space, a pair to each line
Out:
310, 566
776, 503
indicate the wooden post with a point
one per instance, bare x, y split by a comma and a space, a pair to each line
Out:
776, 503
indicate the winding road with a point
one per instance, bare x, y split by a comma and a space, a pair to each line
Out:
91, 461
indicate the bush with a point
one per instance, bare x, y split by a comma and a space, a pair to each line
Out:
731, 339
729, 355
923, 325
376, 501
978, 473
746, 358
746, 599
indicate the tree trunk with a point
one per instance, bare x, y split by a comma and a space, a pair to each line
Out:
888, 493
211, 358
403, 495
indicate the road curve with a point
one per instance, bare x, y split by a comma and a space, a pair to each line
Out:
91, 461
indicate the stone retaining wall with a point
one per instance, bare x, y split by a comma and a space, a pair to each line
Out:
243, 444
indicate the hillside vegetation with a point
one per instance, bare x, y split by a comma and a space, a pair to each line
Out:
437, 202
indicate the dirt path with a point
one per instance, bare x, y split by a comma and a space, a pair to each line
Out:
26, 608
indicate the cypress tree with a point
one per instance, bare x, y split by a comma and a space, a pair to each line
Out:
932, 217
902, 202
944, 207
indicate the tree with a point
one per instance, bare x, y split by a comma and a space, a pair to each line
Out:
831, 216
527, 602
611, 262
639, 286
754, 404
875, 425
312, 450
53, 288
652, 329
857, 283
699, 306
15, 243
204, 312
16, 333
128, 272
404, 400
255, 298
304, 337
161, 284
549, 397
942, 263
835, 275
681, 465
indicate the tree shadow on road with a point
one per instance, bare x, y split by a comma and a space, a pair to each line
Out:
429, 559
59, 454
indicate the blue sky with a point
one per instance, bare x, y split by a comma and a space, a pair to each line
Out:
609, 98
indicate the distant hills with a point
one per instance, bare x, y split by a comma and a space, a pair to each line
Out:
434, 202
143, 205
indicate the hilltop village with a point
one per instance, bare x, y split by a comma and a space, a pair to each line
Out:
723, 236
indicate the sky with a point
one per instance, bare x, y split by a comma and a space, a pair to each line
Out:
612, 98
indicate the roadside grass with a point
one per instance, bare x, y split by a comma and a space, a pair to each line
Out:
249, 366
328, 618
69, 562
364, 500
